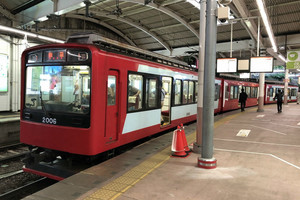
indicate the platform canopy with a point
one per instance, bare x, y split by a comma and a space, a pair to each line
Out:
169, 27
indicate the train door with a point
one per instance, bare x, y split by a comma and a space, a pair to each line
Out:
271, 94
217, 102
166, 101
111, 128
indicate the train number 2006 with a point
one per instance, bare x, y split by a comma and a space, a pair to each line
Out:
48, 120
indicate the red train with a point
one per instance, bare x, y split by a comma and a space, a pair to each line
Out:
80, 99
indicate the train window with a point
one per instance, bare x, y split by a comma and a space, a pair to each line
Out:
191, 92
231, 92
151, 93
177, 92
247, 90
236, 92
254, 91
58, 88
294, 92
135, 91
217, 91
111, 90
226, 92
196, 91
271, 92
185, 91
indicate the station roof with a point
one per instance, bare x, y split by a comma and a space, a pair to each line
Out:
169, 27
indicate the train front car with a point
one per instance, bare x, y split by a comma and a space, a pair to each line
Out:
82, 100
55, 108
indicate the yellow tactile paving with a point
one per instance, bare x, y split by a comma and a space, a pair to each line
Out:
90, 198
120, 185
103, 194
134, 174
125, 180
115, 188
144, 167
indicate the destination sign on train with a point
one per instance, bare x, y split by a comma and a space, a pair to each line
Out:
54, 55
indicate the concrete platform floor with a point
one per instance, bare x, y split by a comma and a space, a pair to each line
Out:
263, 165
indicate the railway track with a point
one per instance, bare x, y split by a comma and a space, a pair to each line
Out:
27, 189
11, 152
10, 174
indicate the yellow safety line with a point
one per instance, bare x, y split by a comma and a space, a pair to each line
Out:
142, 170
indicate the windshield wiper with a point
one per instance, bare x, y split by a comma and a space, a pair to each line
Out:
43, 105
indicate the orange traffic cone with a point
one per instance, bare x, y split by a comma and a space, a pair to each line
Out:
177, 144
185, 144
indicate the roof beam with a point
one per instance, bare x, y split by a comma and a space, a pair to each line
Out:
7, 14
221, 47
40, 12
26, 6
245, 13
96, 21
167, 12
136, 25
169, 2
278, 5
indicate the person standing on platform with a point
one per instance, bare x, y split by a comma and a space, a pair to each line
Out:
279, 96
243, 99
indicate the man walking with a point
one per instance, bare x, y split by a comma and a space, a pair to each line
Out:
279, 96
243, 99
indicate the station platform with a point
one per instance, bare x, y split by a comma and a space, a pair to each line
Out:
10, 127
257, 158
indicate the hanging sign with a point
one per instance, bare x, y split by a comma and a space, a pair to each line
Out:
293, 59
261, 64
225, 65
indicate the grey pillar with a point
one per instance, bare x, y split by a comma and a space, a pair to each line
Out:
207, 160
286, 84
198, 144
261, 92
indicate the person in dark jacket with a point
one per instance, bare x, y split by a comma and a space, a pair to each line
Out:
279, 96
243, 99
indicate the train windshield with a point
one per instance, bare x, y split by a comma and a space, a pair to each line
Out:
58, 88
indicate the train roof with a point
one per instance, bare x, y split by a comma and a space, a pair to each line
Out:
110, 45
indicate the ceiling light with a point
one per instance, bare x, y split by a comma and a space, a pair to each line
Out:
266, 21
195, 3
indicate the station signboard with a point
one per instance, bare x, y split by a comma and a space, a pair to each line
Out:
261, 64
243, 65
226, 65
293, 59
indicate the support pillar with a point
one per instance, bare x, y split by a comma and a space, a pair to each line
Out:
286, 84
261, 92
198, 144
207, 160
